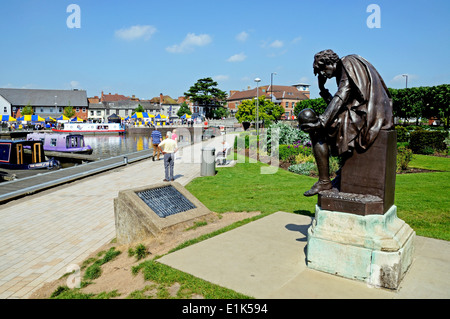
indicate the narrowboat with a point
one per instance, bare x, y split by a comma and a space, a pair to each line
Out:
90, 128
65, 142
14, 157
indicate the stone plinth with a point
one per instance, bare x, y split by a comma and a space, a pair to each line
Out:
377, 249
136, 221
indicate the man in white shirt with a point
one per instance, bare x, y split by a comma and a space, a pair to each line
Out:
169, 148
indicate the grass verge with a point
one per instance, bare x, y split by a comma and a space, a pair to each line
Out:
421, 198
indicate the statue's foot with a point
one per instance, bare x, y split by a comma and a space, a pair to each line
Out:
318, 187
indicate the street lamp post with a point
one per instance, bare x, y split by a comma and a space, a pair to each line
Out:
271, 85
257, 80
406, 76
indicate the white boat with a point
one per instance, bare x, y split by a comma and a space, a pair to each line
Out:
90, 128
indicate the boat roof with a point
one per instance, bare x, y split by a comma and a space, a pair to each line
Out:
19, 141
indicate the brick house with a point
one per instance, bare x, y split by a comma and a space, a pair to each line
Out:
286, 96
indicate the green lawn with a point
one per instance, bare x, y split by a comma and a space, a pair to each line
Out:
422, 199
430, 162
244, 188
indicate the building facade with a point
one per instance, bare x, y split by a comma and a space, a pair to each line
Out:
286, 96
44, 102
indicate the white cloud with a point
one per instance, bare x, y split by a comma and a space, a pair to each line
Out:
221, 77
296, 40
136, 32
242, 37
276, 44
192, 40
74, 84
237, 57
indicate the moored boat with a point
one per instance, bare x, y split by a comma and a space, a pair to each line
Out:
64, 142
92, 128
14, 157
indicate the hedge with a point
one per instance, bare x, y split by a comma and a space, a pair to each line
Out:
426, 142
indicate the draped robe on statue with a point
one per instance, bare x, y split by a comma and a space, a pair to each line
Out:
360, 108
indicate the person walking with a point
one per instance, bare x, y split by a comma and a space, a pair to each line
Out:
174, 135
169, 147
156, 139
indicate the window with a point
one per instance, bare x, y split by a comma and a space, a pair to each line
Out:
99, 113
60, 110
53, 142
84, 110
5, 110
78, 109
42, 110
92, 113
107, 112
126, 112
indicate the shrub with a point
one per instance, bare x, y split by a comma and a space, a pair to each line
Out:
304, 158
303, 168
287, 135
426, 142
404, 156
402, 134
288, 152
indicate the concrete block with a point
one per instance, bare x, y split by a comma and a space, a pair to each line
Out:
136, 221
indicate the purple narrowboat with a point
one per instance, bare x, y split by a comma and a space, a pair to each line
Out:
68, 143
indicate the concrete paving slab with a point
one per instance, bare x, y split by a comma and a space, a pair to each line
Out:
266, 259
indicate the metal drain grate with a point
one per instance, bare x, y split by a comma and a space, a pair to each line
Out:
165, 201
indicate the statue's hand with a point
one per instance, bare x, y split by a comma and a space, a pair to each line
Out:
310, 127
321, 79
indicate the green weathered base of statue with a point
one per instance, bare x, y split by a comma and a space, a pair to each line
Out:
376, 249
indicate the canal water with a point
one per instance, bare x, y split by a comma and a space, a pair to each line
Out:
105, 146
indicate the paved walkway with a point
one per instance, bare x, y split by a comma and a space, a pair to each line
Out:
43, 234
266, 259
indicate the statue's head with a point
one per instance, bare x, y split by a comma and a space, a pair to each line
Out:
325, 63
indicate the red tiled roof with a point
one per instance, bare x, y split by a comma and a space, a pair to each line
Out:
113, 97
279, 91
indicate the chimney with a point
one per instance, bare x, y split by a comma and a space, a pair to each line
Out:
161, 98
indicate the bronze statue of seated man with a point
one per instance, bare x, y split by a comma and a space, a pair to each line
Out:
360, 108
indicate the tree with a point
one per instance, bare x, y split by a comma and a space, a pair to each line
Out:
317, 105
205, 94
184, 109
221, 112
267, 111
69, 111
140, 108
27, 110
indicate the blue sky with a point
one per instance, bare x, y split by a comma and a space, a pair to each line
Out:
150, 47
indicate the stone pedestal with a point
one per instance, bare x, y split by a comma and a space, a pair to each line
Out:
367, 179
374, 248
